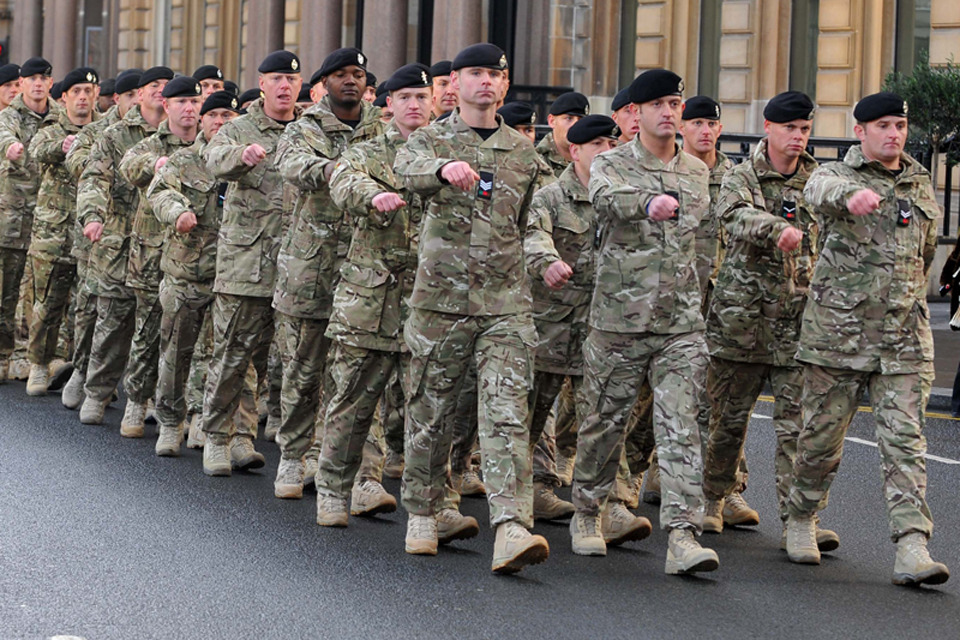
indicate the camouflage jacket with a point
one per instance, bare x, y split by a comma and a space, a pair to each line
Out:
370, 303
19, 179
562, 226
471, 242
709, 233
137, 167
55, 220
76, 160
255, 206
104, 196
185, 184
316, 242
758, 301
868, 309
646, 270
547, 149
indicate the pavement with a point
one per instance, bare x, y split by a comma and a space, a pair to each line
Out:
946, 345
103, 540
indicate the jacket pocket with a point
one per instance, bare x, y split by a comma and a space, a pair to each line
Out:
239, 254
833, 322
360, 296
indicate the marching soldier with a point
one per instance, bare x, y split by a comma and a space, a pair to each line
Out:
445, 95
210, 78
522, 117
9, 84
564, 112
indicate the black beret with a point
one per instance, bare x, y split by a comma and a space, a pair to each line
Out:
371, 80
182, 87
620, 100
36, 65
250, 95
701, 107
789, 106
409, 75
517, 113
9, 73
128, 80
486, 55
280, 62
208, 72
596, 126
381, 89
304, 95
381, 100
571, 103
339, 59
231, 87
79, 76
221, 100
108, 87
155, 73
653, 84
878, 105
441, 68
56, 91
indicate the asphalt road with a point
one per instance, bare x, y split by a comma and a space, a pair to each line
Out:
100, 539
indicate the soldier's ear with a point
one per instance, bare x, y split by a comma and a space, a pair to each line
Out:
860, 130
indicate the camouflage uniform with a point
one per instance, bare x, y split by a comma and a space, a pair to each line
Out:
754, 319
104, 196
143, 265
369, 306
645, 322
867, 327
255, 205
709, 233
471, 301
308, 263
188, 264
19, 183
548, 150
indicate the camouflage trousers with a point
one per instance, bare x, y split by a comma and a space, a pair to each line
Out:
85, 320
352, 441
546, 392
614, 367
185, 305
442, 347
733, 389
390, 413
143, 367
199, 364
242, 331
24, 312
273, 384
112, 336
463, 422
830, 400
12, 265
52, 282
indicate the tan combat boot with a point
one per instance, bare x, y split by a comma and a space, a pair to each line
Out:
91, 411
331, 511
72, 395
289, 482
216, 456
632, 499
651, 485
565, 466
546, 504
271, 428
713, 516
242, 454
914, 566
131, 426
310, 467
685, 555
737, 513
471, 485
802, 540
169, 441
369, 498
421, 537
195, 436
39, 380
515, 547
393, 465
453, 525
60, 371
619, 525
586, 535
827, 540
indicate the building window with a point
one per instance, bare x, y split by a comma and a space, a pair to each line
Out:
711, 29
913, 33
804, 33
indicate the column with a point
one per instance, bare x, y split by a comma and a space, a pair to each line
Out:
321, 28
26, 39
385, 36
265, 35
456, 24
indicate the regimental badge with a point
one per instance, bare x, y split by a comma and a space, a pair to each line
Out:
503, 61
198, 89
905, 107
533, 118
219, 74
294, 65
680, 86
423, 77
361, 60
485, 186
91, 77
717, 109
586, 110
233, 103
788, 210
904, 213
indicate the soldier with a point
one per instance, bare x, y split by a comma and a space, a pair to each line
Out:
9, 84
625, 115
565, 110
445, 95
106, 96
522, 117
369, 306
645, 323
232, 88
181, 102
310, 258
19, 182
185, 196
255, 206
210, 78
106, 204
866, 327
317, 88
304, 100
54, 228
471, 301
249, 96
370, 92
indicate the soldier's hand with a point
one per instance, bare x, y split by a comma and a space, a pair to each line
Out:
663, 207
162, 160
387, 201
557, 274
67, 143
789, 239
186, 222
863, 202
15, 151
460, 174
93, 231
253, 155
